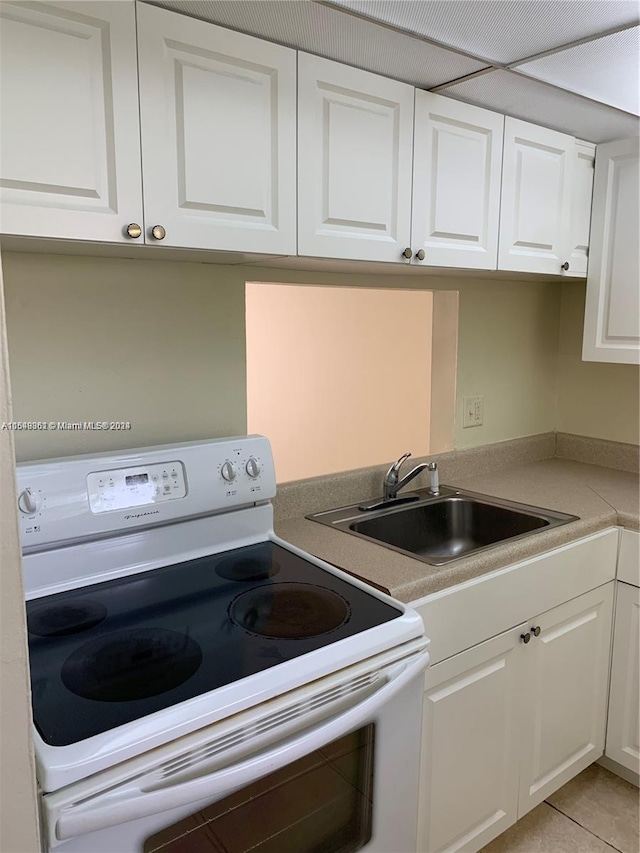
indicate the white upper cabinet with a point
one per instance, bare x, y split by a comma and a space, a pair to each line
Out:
218, 119
457, 161
355, 138
612, 314
535, 208
584, 156
69, 129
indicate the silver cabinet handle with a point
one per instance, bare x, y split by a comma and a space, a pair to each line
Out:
525, 637
407, 253
158, 232
565, 266
536, 631
421, 254
134, 230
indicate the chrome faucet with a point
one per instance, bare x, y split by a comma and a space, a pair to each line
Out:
392, 484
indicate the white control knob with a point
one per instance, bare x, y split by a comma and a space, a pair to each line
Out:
228, 472
28, 502
252, 467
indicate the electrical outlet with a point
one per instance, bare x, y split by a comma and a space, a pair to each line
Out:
473, 411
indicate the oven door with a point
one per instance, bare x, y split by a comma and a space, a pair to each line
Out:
329, 767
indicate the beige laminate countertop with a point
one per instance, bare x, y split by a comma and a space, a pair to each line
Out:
601, 497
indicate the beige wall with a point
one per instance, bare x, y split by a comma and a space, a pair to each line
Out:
327, 348
158, 344
595, 399
18, 812
161, 344
508, 333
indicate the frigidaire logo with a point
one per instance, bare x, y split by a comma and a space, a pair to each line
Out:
142, 514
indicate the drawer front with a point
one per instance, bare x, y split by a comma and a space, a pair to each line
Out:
462, 616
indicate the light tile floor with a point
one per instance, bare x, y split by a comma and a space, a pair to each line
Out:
597, 812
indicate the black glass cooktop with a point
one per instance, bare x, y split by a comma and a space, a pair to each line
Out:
107, 654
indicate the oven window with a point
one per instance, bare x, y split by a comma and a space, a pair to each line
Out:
322, 803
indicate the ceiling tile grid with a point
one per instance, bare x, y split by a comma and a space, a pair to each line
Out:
501, 31
531, 100
332, 34
606, 69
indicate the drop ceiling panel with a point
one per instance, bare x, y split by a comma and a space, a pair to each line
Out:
522, 97
607, 69
334, 35
501, 31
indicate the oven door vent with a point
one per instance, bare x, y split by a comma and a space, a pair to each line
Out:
289, 720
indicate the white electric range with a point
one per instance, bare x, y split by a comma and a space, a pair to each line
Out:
197, 683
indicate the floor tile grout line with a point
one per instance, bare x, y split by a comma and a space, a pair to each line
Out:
577, 823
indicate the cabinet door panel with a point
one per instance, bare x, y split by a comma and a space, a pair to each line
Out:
218, 135
563, 694
612, 313
456, 182
536, 198
70, 162
623, 730
470, 747
354, 162
581, 196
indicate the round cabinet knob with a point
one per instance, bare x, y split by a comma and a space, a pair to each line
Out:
252, 467
228, 472
158, 232
134, 230
525, 637
536, 631
28, 502
565, 266
407, 253
421, 254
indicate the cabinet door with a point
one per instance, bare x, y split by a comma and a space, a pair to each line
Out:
612, 313
70, 165
536, 198
218, 114
623, 729
563, 694
457, 161
355, 139
470, 747
584, 155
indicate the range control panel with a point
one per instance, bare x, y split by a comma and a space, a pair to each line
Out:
82, 497
129, 487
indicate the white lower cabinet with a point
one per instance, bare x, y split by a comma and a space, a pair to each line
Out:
512, 719
470, 738
563, 698
623, 728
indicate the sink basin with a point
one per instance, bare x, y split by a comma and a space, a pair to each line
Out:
440, 529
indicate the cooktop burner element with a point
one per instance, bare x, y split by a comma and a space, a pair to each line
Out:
289, 611
59, 620
246, 569
179, 631
132, 664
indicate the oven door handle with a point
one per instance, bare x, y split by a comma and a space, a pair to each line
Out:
130, 800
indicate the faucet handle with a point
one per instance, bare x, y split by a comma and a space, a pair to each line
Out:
393, 471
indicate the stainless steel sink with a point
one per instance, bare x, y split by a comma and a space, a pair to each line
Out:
440, 529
